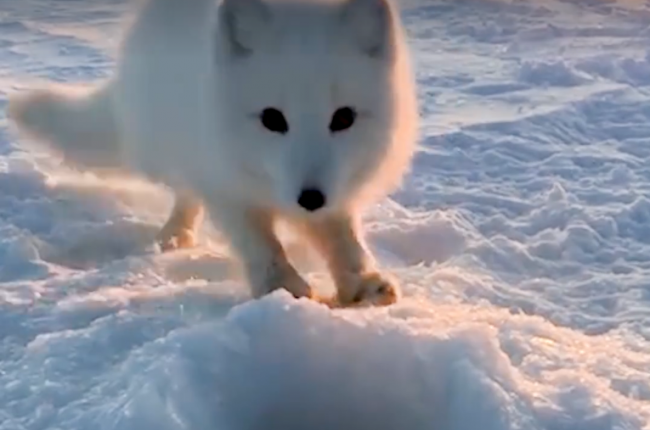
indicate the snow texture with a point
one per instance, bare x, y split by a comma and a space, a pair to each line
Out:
522, 239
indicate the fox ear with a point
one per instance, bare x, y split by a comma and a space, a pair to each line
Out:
243, 23
369, 22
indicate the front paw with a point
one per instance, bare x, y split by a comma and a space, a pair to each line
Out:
170, 240
285, 278
298, 287
369, 289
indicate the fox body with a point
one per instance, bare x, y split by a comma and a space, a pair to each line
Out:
252, 111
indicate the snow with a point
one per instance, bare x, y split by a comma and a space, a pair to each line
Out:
521, 238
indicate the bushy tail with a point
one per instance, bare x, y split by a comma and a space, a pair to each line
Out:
80, 127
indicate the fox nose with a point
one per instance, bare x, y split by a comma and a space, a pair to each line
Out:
311, 199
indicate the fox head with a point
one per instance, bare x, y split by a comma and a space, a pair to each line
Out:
317, 99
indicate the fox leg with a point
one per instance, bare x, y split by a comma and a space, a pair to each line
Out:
180, 230
358, 281
251, 236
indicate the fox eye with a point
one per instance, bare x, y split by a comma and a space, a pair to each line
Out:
342, 119
273, 119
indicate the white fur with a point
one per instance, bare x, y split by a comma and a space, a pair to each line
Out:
183, 108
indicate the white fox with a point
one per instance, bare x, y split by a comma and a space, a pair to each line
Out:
256, 110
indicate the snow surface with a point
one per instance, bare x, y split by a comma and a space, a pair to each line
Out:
522, 239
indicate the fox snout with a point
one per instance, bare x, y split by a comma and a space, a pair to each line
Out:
312, 199
305, 179
313, 183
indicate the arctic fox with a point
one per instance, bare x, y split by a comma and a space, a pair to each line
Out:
254, 110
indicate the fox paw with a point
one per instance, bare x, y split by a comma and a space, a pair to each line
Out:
286, 278
370, 289
298, 287
169, 240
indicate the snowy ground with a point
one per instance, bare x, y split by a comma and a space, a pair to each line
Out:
522, 239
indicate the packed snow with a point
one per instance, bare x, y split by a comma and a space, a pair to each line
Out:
521, 238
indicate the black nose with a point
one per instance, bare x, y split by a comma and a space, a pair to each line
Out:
311, 199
